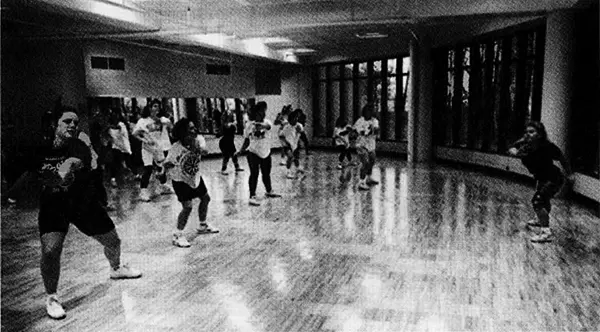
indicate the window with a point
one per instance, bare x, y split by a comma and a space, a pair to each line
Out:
342, 90
490, 88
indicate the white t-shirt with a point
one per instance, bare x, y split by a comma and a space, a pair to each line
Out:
366, 140
120, 138
292, 134
153, 131
187, 163
341, 140
164, 142
260, 143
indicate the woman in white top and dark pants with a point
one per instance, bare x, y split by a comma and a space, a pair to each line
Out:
258, 144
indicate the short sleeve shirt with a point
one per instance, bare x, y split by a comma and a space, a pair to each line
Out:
187, 164
260, 143
366, 133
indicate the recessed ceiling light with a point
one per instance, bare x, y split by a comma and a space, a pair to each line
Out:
303, 50
371, 35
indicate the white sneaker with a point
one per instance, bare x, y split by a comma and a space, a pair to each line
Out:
54, 309
340, 166
290, 174
224, 172
145, 195
283, 163
166, 190
254, 201
272, 194
370, 180
300, 170
125, 272
205, 229
113, 182
12, 201
180, 241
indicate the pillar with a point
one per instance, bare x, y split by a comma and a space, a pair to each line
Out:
557, 82
420, 123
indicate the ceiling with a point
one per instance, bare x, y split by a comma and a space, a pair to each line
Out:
304, 31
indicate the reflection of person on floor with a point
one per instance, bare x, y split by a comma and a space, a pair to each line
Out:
537, 154
69, 196
183, 163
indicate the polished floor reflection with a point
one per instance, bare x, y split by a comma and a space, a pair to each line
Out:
429, 249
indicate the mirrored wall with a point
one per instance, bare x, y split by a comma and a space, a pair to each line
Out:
205, 112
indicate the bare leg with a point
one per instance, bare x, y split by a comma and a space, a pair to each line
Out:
112, 247
52, 245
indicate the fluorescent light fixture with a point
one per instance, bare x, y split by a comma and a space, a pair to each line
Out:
214, 39
113, 11
256, 46
304, 50
371, 35
276, 40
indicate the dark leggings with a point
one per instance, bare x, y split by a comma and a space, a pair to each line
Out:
98, 182
264, 165
116, 164
344, 153
162, 177
227, 147
545, 190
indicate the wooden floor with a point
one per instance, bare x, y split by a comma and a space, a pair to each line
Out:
429, 249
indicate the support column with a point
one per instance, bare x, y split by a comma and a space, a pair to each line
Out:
558, 83
420, 126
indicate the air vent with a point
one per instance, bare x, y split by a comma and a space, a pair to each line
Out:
218, 69
100, 62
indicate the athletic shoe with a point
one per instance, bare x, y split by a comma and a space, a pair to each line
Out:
145, 195
290, 174
533, 223
54, 309
224, 172
180, 241
205, 229
544, 236
362, 185
113, 182
272, 194
254, 201
125, 272
300, 169
12, 201
340, 166
283, 163
370, 181
239, 169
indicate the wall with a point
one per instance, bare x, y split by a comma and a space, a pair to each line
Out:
34, 76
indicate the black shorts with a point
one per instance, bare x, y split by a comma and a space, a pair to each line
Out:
58, 211
186, 193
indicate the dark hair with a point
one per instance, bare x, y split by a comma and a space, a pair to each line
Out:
261, 105
147, 109
539, 127
293, 116
50, 120
340, 122
180, 129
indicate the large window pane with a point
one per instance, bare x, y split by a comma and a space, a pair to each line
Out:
390, 133
377, 68
322, 118
348, 69
391, 66
335, 107
349, 96
362, 69
335, 72
362, 94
